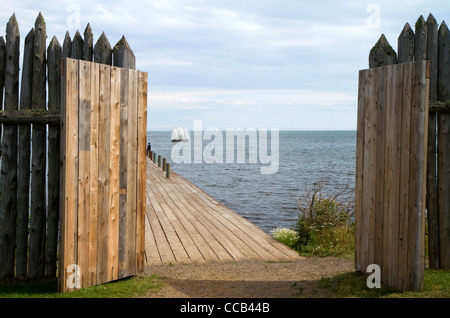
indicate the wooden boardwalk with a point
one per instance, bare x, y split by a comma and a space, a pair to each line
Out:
185, 225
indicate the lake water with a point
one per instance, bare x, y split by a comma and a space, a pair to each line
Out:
267, 200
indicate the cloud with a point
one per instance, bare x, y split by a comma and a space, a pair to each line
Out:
184, 98
275, 108
252, 61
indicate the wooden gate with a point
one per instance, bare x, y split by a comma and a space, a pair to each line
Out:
103, 146
391, 172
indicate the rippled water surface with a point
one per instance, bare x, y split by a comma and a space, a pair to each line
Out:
267, 200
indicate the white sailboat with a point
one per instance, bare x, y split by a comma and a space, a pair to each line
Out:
180, 134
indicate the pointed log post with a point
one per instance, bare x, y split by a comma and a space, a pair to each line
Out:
27, 72
38, 211
2, 69
420, 40
444, 147
2, 78
432, 55
8, 175
67, 46
382, 54
432, 186
123, 56
77, 46
54, 55
444, 63
406, 45
102, 51
23, 180
88, 44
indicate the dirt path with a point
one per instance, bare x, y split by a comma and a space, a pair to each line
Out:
248, 279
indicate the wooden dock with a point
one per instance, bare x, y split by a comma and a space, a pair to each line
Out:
185, 225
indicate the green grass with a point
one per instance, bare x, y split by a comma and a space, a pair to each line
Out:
348, 285
353, 285
133, 287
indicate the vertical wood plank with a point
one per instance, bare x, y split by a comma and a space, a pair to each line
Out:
405, 153
113, 243
142, 139
421, 108
103, 172
123, 163
94, 173
359, 169
84, 128
132, 178
432, 194
61, 285
384, 229
69, 184
444, 192
23, 177
54, 53
443, 144
39, 135
8, 173
394, 133
370, 144
419, 131
377, 219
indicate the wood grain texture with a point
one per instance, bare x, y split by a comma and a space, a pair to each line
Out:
8, 172
108, 121
23, 177
391, 172
38, 165
54, 56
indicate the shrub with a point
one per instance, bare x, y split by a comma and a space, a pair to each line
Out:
286, 236
324, 226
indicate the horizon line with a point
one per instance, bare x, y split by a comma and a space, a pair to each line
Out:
279, 129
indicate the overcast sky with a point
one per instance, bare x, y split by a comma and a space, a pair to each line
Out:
287, 64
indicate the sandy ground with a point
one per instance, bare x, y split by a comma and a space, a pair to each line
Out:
249, 279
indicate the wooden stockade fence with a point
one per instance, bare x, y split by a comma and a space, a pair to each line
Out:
431, 42
30, 152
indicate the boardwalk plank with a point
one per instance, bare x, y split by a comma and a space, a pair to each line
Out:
185, 224
251, 235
